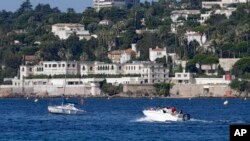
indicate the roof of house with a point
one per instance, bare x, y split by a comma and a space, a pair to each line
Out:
119, 52
29, 57
158, 49
192, 33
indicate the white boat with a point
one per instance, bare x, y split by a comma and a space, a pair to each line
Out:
68, 108
165, 114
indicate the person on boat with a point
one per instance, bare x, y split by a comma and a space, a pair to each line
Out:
173, 110
180, 112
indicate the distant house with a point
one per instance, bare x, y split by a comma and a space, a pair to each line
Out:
221, 3
123, 56
30, 59
183, 78
192, 35
98, 4
105, 22
64, 30
142, 31
157, 53
17, 31
224, 11
176, 14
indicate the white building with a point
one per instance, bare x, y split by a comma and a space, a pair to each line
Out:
105, 22
224, 11
123, 56
146, 71
183, 78
183, 13
136, 72
208, 70
192, 35
98, 4
157, 53
221, 3
64, 30
49, 68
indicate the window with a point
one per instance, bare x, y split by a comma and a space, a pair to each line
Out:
59, 65
68, 65
30, 69
91, 68
73, 65
45, 65
179, 75
54, 65
83, 67
120, 67
70, 83
112, 67
49, 65
22, 69
63, 65
185, 75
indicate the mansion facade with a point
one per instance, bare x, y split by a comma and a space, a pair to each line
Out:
145, 72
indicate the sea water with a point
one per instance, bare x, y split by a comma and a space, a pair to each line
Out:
120, 119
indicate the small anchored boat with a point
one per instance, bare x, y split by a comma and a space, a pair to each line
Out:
165, 114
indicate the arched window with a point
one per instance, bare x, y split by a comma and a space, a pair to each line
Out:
83, 67
112, 67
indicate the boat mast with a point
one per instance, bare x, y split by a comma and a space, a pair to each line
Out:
66, 71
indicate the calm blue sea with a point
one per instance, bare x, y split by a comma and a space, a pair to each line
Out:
120, 120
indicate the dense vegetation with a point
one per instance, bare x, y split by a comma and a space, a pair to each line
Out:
32, 24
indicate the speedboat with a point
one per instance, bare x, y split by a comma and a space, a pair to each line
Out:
68, 109
165, 114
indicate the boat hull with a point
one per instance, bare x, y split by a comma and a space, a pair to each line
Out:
161, 116
63, 110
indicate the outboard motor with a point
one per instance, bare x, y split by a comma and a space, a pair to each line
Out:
186, 117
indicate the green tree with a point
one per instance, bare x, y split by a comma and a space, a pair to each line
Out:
25, 7
163, 88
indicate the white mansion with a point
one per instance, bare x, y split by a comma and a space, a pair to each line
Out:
128, 73
222, 3
98, 4
64, 30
